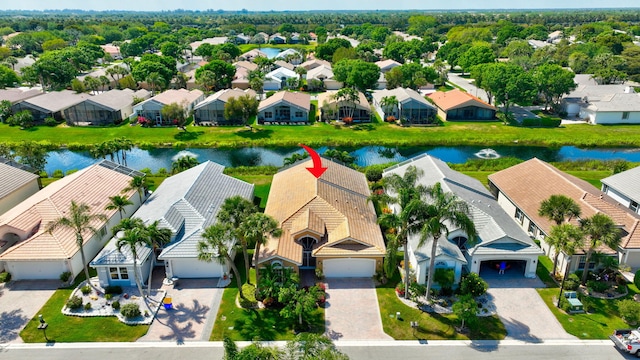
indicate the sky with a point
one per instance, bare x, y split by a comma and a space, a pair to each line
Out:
280, 5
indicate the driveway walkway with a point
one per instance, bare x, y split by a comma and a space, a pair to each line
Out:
195, 306
523, 313
352, 311
20, 301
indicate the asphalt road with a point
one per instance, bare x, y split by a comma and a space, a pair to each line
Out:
406, 350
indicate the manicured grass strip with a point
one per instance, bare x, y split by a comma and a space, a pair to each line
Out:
592, 177
543, 270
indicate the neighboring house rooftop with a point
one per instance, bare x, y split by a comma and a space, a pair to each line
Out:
625, 183
321, 72
117, 99
313, 63
285, 53
102, 72
92, 186
616, 102
177, 96
213, 41
57, 100
253, 54
281, 72
403, 95
330, 98
246, 64
13, 178
224, 95
457, 99
284, 64
531, 182
15, 95
188, 202
387, 64
336, 204
300, 100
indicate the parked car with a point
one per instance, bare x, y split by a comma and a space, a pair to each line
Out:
627, 340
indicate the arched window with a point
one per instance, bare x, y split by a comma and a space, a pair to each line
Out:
460, 241
307, 243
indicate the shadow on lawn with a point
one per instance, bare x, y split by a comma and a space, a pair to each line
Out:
188, 135
255, 134
261, 325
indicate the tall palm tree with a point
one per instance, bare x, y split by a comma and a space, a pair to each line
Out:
132, 238
407, 194
565, 238
234, 211
257, 228
388, 103
155, 81
124, 145
350, 97
79, 220
138, 183
217, 246
599, 230
128, 224
445, 209
183, 163
118, 202
158, 238
559, 208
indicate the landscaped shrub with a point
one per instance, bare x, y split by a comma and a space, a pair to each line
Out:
416, 290
269, 94
65, 276
444, 277
86, 290
446, 291
50, 122
400, 289
636, 279
115, 305
541, 122
87, 306
113, 290
249, 300
57, 174
373, 174
473, 284
319, 274
108, 296
572, 282
597, 286
5, 277
130, 310
629, 310
74, 302
70, 171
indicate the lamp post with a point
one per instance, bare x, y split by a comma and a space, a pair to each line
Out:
564, 278
43, 326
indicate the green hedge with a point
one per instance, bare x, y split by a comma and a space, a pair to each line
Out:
541, 122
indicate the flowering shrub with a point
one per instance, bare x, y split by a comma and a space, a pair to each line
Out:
400, 289
387, 211
321, 286
144, 121
391, 118
347, 120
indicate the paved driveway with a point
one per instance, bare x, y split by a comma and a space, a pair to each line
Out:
523, 313
352, 311
195, 306
20, 301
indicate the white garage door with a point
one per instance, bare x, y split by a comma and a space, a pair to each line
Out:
36, 270
194, 269
349, 268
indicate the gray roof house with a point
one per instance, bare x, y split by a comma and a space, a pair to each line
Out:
500, 239
623, 188
285, 107
15, 95
17, 185
116, 267
151, 109
211, 110
51, 104
107, 108
187, 203
412, 107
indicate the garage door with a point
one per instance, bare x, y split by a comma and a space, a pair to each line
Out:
349, 268
194, 269
36, 270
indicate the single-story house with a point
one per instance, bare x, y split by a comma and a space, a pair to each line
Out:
241, 78
34, 253
51, 104
285, 106
152, 108
386, 65
327, 222
314, 63
521, 188
187, 203
15, 95
277, 79
460, 105
116, 267
292, 55
623, 188
277, 38
332, 109
325, 74
107, 108
252, 54
17, 184
218, 40
284, 64
499, 238
240, 39
102, 71
211, 110
412, 108
112, 50
602, 104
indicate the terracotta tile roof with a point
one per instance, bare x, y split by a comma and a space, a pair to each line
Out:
335, 205
529, 183
92, 186
300, 100
456, 99
178, 96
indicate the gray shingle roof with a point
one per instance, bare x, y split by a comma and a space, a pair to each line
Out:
626, 183
188, 202
13, 179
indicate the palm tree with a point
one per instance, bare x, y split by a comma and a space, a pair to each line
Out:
234, 211
138, 183
599, 230
559, 208
128, 224
565, 238
300, 71
132, 238
80, 220
123, 144
217, 246
155, 82
445, 209
407, 194
257, 228
183, 163
118, 202
389, 103
351, 97
158, 238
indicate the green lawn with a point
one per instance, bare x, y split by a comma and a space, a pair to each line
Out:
249, 324
262, 185
451, 134
64, 328
592, 177
430, 326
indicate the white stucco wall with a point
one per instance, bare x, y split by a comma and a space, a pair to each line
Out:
615, 117
617, 196
19, 195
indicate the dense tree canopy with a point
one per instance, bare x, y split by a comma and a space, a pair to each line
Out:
357, 73
221, 74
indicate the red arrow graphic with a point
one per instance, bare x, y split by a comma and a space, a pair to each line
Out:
317, 170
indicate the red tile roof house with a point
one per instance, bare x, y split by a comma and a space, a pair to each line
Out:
460, 105
521, 188
32, 252
151, 109
285, 107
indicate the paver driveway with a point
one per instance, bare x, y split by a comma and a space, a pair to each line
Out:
523, 313
20, 301
352, 311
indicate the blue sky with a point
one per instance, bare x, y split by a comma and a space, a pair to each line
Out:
254, 5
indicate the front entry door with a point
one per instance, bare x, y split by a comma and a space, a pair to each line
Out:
308, 261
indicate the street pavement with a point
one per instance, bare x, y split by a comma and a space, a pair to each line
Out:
468, 86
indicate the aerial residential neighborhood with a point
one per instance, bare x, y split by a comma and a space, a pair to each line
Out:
325, 183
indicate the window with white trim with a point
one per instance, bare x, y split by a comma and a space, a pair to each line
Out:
119, 273
633, 206
519, 216
533, 229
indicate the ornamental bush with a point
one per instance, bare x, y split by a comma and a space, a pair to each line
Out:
115, 305
113, 290
373, 174
473, 284
86, 290
130, 310
629, 310
74, 302
636, 279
